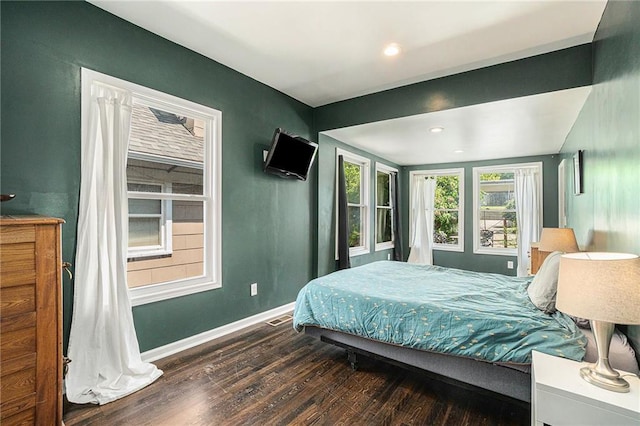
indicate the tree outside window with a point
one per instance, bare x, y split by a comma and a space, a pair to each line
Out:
353, 178
446, 210
498, 227
448, 217
384, 207
356, 173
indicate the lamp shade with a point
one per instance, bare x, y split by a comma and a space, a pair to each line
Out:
558, 239
600, 286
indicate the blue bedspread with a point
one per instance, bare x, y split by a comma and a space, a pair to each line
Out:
477, 315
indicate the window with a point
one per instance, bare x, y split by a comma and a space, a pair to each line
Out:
173, 194
356, 170
448, 217
495, 225
384, 207
149, 222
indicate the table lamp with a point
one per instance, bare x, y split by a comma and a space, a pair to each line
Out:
605, 289
558, 239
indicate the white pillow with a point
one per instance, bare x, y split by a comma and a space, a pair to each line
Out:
543, 288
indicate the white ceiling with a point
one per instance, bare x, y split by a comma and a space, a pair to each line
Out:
531, 125
320, 52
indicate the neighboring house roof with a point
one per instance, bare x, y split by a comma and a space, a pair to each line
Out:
162, 133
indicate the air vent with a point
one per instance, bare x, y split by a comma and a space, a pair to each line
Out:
280, 320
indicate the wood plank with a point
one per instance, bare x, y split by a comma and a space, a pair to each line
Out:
18, 343
24, 362
15, 220
16, 278
138, 278
49, 356
11, 407
17, 234
17, 322
275, 376
23, 418
195, 269
194, 241
18, 385
178, 257
183, 228
17, 257
17, 300
171, 273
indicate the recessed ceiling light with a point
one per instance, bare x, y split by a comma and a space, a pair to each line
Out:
458, 151
391, 49
437, 129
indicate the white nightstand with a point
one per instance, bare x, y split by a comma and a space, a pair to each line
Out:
559, 396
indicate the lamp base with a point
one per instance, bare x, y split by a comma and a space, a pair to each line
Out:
606, 381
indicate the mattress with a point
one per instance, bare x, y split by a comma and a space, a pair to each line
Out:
477, 315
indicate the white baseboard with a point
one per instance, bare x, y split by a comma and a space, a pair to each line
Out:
207, 336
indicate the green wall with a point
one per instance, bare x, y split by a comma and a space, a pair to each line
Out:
606, 217
327, 205
268, 223
483, 262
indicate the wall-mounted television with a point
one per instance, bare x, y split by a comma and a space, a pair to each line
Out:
290, 156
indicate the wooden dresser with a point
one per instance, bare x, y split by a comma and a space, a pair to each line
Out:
30, 320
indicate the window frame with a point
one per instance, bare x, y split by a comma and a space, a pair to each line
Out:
212, 183
502, 168
459, 172
385, 245
365, 196
166, 233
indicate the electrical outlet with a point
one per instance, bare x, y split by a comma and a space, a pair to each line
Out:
254, 289
388, 256
510, 264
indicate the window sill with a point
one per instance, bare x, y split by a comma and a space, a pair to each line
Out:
359, 251
163, 291
133, 256
384, 246
442, 247
497, 252
148, 256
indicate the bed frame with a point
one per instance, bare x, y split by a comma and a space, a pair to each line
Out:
507, 381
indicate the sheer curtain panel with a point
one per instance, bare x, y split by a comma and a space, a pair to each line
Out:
528, 201
103, 347
424, 191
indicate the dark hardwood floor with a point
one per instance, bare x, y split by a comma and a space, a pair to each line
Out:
268, 375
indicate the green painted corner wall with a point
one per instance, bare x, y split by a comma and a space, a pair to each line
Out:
268, 222
327, 205
482, 262
606, 217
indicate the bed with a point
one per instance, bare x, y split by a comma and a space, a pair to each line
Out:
475, 328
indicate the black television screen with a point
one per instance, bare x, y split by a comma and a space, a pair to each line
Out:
290, 155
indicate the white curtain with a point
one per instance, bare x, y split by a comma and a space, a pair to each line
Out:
424, 191
528, 202
103, 347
